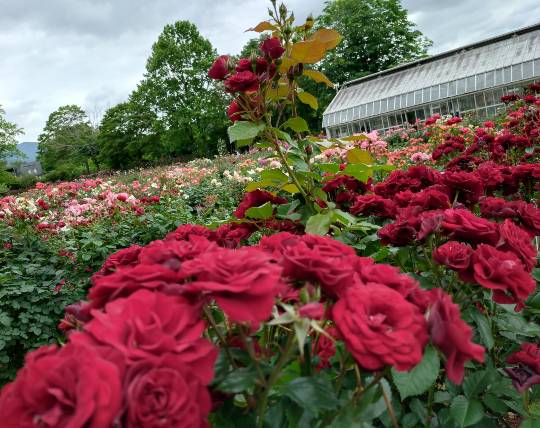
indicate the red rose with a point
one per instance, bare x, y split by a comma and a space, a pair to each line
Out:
452, 335
171, 254
527, 373
244, 64
257, 198
70, 386
127, 281
399, 233
466, 185
530, 216
403, 198
126, 257
220, 68
456, 256
380, 327
463, 224
245, 81
324, 348
183, 232
504, 273
490, 175
164, 392
430, 222
234, 112
373, 205
243, 282
517, 241
148, 325
272, 48
231, 235
497, 208
430, 199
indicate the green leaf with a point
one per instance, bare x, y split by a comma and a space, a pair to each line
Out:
297, 124
359, 171
475, 383
275, 175
314, 394
308, 99
495, 404
263, 212
240, 379
530, 423
244, 130
318, 224
484, 328
357, 155
466, 412
332, 168
318, 77
420, 378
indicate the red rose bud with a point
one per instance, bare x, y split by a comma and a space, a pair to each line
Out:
314, 310
272, 48
220, 68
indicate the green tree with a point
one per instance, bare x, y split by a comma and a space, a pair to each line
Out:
8, 136
177, 87
68, 139
252, 45
377, 35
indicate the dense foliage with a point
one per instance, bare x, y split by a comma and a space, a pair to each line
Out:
367, 281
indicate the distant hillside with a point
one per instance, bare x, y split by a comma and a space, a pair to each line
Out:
29, 148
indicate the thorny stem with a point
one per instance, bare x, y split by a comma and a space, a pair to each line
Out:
389, 408
251, 351
263, 404
212, 322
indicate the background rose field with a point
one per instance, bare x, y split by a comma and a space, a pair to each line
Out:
367, 281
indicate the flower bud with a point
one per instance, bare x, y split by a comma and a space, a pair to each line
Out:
282, 10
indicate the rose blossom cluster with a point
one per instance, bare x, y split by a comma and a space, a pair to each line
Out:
136, 355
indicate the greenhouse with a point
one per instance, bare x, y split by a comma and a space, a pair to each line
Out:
465, 81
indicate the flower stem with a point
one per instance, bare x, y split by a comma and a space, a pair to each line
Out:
389, 408
208, 312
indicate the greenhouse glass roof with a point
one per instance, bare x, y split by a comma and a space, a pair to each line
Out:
501, 60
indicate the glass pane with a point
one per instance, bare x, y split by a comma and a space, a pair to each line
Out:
490, 98
384, 106
516, 73
499, 76
470, 84
444, 90
363, 110
435, 92
369, 109
356, 127
460, 86
425, 95
480, 102
349, 114
527, 70
507, 74
403, 100
490, 79
498, 94
418, 97
480, 81
466, 103
410, 99
537, 67
452, 86
392, 120
444, 109
376, 107
491, 111
420, 114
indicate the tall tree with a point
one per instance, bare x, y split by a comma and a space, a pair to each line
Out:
377, 35
68, 138
8, 136
190, 109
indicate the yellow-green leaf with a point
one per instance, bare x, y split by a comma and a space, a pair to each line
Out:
359, 156
359, 137
308, 99
318, 77
308, 52
286, 63
327, 37
291, 188
263, 26
278, 92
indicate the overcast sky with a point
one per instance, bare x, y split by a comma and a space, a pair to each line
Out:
93, 52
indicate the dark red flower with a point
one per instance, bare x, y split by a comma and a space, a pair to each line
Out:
373, 205
463, 225
70, 386
504, 273
245, 81
380, 328
243, 282
231, 235
527, 372
220, 68
516, 240
183, 232
430, 199
324, 348
466, 185
313, 310
272, 48
452, 335
509, 98
456, 256
164, 392
399, 233
147, 325
454, 120
256, 198
530, 217
234, 112
126, 257
497, 208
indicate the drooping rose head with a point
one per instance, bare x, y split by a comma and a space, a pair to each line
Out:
514, 239
64, 387
272, 48
220, 68
380, 327
527, 372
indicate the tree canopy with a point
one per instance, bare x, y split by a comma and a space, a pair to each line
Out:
8, 136
68, 139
